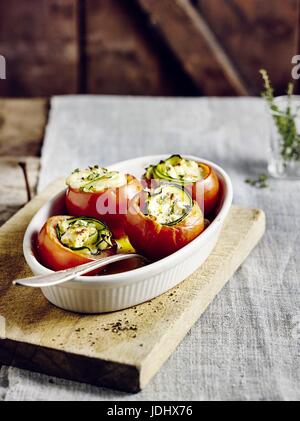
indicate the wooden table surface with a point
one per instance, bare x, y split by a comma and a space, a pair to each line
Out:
22, 127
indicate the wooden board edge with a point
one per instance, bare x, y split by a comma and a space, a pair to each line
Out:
168, 343
70, 366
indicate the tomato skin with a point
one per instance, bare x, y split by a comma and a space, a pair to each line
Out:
156, 241
81, 203
209, 185
55, 256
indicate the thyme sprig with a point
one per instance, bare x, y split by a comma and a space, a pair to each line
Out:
260, 182
284, 120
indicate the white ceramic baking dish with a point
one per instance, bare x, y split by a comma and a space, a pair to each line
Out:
98, 294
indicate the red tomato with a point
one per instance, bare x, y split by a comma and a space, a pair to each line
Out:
109, 205
208, 187
54, 255
156, 241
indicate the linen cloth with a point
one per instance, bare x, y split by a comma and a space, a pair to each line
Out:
246, 346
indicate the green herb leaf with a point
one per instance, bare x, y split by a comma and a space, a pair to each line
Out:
260, 182
284, 120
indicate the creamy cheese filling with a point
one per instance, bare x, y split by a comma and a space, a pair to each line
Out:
168, 204
184, 169
95, 179
176, 169
85, 235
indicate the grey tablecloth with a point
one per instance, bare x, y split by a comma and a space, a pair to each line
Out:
247, 344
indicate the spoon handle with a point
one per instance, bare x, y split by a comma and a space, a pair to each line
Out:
55, 278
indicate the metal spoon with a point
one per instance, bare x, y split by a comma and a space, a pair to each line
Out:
65, 275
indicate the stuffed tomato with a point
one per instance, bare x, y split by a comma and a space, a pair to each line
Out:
65, 242
163, 220
198, 178
100, 193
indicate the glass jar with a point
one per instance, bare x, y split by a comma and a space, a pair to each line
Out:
284, 161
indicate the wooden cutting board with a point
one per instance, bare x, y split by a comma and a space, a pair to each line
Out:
121, 350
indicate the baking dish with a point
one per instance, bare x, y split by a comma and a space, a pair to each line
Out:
106, 293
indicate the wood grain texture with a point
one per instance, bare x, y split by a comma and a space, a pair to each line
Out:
195, 46
108, 46
41, 337
120, 56
13, 193
39, 40
256, 34
22, 125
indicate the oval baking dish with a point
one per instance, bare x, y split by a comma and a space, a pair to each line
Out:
105, 293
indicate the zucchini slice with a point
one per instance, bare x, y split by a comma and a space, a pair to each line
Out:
168, 204
84, 235
177, 170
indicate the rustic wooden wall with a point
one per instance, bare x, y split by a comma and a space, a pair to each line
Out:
146, 47
39, 40
121, 55
256, 33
